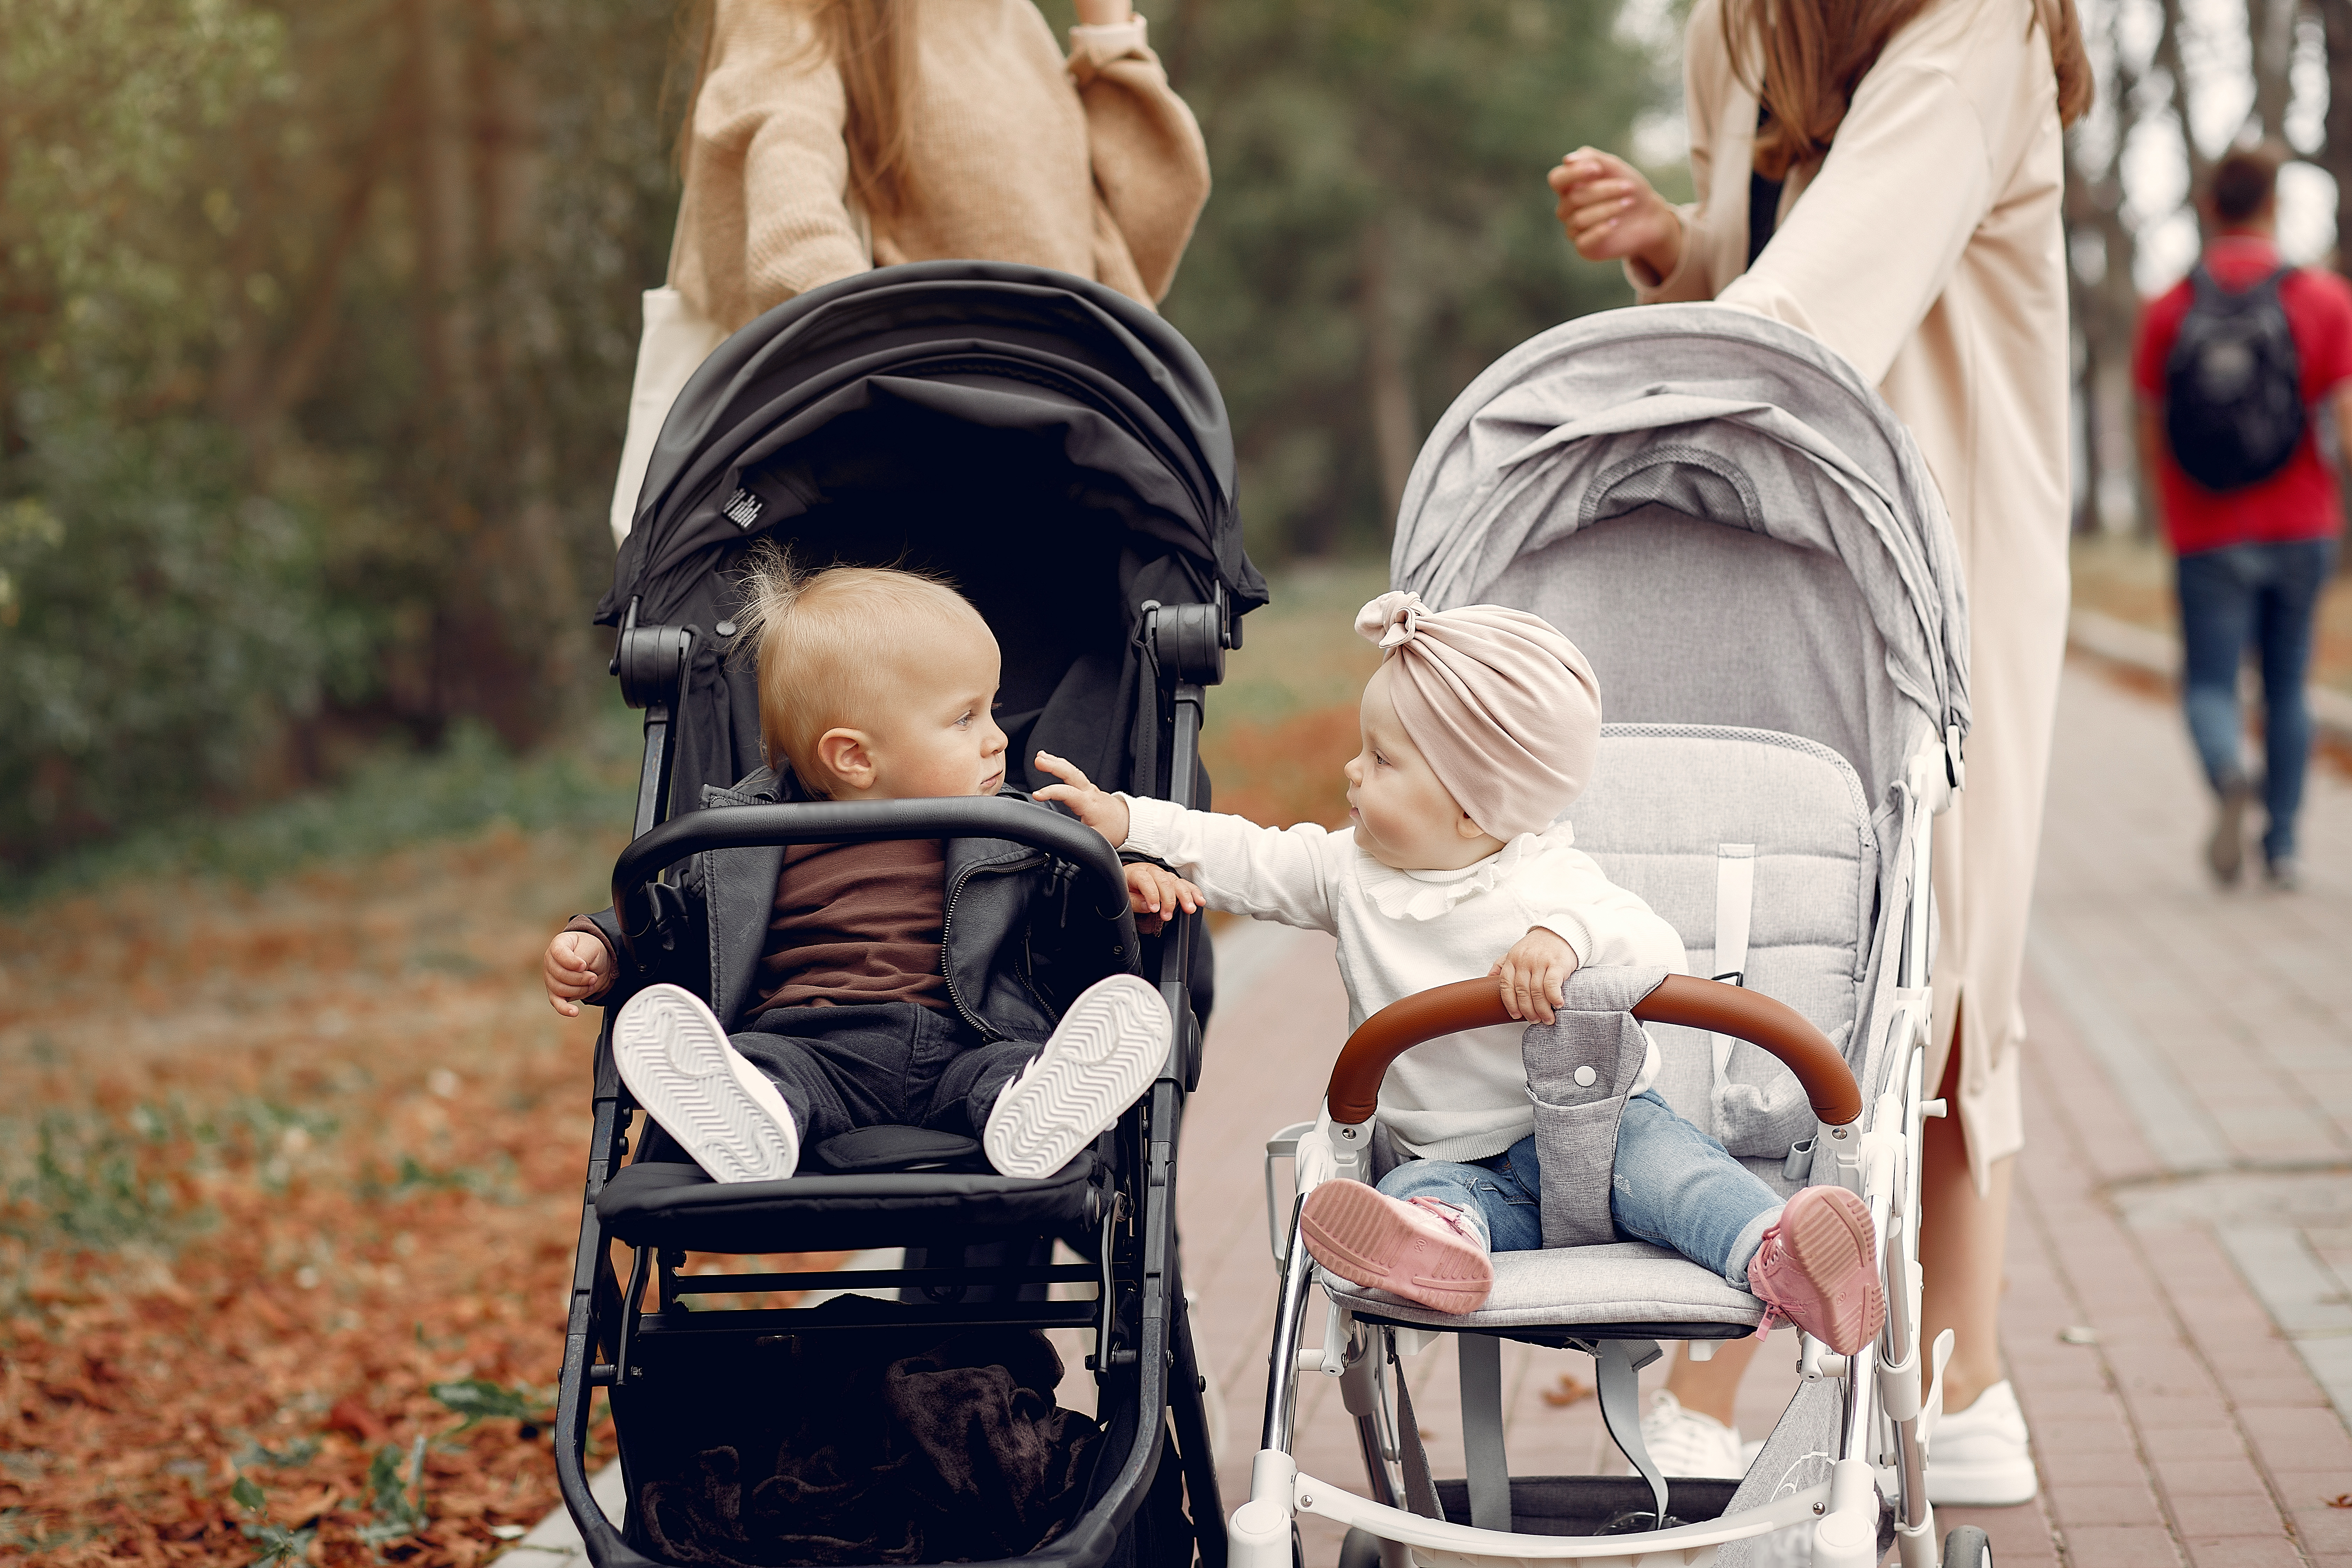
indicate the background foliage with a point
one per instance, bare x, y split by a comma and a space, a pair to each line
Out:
316, 325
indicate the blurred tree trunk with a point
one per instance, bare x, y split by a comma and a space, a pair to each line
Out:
2103, 255
2272, 24
2169, 57
2336, 143
1387, 385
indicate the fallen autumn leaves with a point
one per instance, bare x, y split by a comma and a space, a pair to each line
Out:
276, 1164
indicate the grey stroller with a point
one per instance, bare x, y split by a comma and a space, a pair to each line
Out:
1747, 545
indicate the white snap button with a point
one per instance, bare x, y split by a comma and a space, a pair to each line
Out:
1584, 1077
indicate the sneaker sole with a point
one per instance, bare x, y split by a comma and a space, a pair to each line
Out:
1828, 1239
722, 1110
1348, 1228
1107, 1050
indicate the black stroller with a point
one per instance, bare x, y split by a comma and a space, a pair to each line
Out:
1063, 456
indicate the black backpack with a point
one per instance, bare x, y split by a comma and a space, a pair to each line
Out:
2233, 384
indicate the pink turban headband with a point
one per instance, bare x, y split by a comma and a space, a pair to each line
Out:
1505, 709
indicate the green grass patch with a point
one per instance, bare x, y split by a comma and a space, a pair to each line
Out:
395, 799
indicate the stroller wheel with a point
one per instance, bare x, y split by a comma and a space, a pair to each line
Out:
1968, 1547
1360, 1550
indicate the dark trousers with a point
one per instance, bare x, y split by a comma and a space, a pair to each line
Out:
2263, 596
889, 1064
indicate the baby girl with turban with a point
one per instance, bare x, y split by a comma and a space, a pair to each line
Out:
1478, 729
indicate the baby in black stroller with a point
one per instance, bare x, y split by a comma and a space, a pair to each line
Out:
895, 983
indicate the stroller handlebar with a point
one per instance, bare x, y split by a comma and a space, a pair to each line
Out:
1709, 1004
862, 822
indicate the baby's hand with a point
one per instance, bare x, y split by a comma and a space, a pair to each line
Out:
579, 967
1533, 972
1158, 893
1098, 809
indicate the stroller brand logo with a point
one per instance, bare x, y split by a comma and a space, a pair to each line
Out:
743, 507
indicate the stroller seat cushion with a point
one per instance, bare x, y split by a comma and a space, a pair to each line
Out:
1614, 1282
662, 1204
876, 1149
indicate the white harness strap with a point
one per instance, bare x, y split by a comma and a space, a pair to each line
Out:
1735, 900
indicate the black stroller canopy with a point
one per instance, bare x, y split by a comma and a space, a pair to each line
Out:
935, 387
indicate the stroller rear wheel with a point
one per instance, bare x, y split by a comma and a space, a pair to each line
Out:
1968, 1547
1361, 1549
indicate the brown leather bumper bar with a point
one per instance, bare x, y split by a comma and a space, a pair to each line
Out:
1709, 1004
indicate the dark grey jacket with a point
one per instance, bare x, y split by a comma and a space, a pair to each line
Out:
1020, 938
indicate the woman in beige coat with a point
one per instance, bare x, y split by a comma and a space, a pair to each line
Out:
1886, 174
829, 136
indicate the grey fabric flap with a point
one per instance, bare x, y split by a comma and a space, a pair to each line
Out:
1580, 1068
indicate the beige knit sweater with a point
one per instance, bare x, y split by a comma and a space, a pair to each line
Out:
1092, 166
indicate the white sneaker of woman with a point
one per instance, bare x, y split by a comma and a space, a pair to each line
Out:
1684, 1443
1980, 1457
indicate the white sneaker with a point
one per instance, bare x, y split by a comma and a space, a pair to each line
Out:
1105, 1052
1980, 1457
722, 1110
1685, 1443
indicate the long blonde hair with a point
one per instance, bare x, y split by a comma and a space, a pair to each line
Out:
1814, 53
870, 43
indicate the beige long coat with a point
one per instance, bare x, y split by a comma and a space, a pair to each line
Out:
1926, 248
1088, 164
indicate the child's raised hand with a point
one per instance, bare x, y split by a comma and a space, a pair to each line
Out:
1533, 974
1098, 809
579, 967
1611, 212
1157, 893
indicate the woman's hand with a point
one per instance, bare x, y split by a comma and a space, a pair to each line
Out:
1098, 809
1533, 974
1611, 214
578, 968
1157, 892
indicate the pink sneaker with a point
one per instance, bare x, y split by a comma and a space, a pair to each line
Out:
1425, 1251
1818, 1268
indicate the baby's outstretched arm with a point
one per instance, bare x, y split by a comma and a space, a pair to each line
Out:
579, 967
1098, 809
1158, 893
1533, 974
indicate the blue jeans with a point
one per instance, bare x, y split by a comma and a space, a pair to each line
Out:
1673, 1185
2262, 594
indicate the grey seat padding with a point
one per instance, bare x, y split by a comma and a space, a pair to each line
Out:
1664, 798
663, 1203
1614, 1282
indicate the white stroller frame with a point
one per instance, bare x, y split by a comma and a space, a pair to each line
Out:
1597, 414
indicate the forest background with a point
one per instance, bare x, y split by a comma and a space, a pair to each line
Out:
317, 323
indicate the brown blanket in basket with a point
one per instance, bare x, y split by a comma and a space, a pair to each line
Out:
958, 1453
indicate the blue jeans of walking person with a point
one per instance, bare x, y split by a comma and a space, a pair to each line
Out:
1673, 1185
2264, 595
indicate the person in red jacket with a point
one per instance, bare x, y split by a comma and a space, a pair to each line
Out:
2236, 365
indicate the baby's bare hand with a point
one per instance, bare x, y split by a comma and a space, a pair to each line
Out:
1098, 809
1157, 893
578, 968
1534, 974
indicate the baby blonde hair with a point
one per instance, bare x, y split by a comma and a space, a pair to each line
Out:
829, 644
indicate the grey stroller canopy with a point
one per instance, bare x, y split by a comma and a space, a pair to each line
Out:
1634, 438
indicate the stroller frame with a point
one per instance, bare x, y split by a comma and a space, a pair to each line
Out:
1884, 1421
1138, 1316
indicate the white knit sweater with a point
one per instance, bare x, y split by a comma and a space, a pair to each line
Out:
1464, 1097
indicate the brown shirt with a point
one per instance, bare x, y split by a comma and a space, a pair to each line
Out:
857, 923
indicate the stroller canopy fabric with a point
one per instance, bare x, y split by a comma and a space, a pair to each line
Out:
1056, 450
885, 362
1590, 474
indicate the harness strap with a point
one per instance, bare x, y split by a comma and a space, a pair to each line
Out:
1419, 1490
1735, 900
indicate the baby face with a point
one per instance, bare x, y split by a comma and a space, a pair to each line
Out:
1403, 818
930, 731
